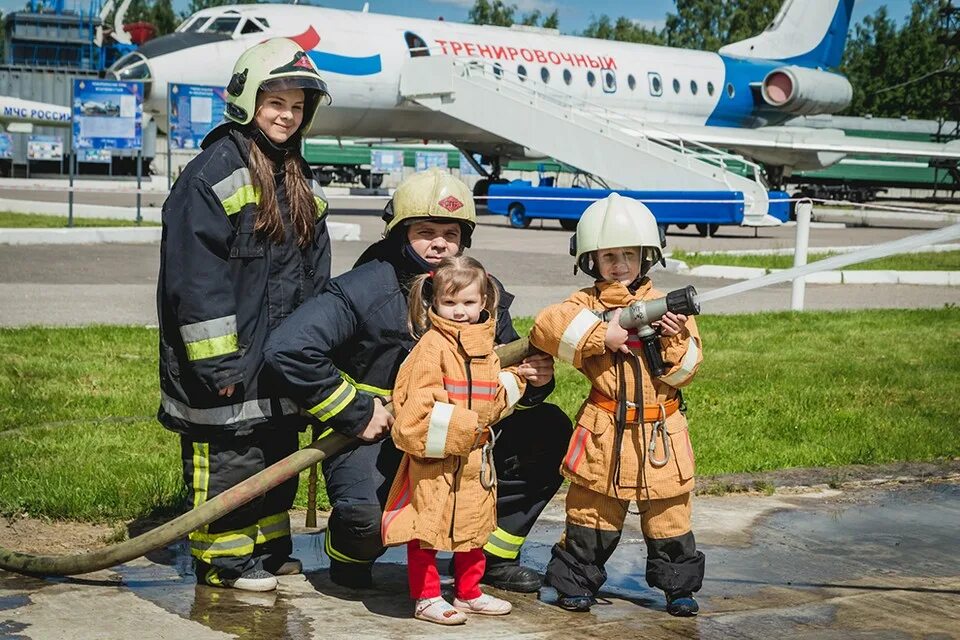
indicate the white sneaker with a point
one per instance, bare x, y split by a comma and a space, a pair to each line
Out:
258, 580
437, 610
485, 605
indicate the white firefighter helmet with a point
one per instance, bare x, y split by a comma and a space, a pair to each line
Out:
432, 194
616, 221
277, 64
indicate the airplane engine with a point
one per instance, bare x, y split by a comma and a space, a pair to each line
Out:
803, 91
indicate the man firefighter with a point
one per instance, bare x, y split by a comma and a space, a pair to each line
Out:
339, 355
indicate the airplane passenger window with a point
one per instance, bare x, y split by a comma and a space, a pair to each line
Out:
591, 78
609, 81
656, 85
522, 72
567, 77
693, 87
730, 90
250, 27
631, 82
545, 75
676, 86
497, 70
223, 24
710, 88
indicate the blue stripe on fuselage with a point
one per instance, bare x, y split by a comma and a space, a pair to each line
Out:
345, 65
741, 110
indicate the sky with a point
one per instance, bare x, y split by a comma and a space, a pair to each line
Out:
575, 15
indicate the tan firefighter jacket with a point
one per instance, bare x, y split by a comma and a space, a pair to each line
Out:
448, 390
572, 333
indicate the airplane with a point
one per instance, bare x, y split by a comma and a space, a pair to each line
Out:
737, 98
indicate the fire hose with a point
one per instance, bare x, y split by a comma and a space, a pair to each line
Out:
240, 494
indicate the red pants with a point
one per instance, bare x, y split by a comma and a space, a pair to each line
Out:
468, 567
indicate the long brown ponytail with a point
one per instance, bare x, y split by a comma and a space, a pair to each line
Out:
303, 209
451, 276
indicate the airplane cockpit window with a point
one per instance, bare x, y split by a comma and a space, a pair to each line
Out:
710, 88
416, 45
522, 72
656, 85
223, 24
186, 24
567, 77
250, 27
676, 86
693, 87
545, 75
591, 78
631, 82
196, 25
264, 22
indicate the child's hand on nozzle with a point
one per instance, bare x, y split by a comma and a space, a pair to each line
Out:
616, 337
670, 324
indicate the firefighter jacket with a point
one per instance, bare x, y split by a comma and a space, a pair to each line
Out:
345, 346
448, 391
573, 333
223, 288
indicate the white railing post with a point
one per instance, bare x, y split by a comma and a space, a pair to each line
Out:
804, 210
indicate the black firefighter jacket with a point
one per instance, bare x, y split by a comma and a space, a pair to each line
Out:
345, 346
223, 288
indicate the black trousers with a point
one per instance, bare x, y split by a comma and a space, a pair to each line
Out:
527, 455
257, 534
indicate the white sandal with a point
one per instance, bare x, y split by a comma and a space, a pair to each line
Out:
439, 611
485, 605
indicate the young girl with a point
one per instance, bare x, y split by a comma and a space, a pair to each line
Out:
449, 392
631, 441
244, 243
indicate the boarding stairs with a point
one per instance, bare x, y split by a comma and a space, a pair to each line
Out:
623, 150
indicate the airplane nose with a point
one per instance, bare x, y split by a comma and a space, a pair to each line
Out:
133, 66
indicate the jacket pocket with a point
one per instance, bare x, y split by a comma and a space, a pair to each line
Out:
679, 435
247, 244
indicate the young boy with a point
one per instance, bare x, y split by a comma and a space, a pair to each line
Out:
631, 441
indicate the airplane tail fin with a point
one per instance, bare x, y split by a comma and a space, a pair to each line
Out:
807, 33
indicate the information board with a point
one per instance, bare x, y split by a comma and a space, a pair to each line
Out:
6, 145
430, 159
101, 156
386, 160
107, 114
44, 148
194, 111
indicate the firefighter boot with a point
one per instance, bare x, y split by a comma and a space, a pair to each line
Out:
682, 605
510, 575
353, 575
575, 603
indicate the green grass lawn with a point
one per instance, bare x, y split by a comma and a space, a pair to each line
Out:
940, 261
13, 220
78, 439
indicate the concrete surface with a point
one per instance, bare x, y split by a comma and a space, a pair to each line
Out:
873, 563
116, 284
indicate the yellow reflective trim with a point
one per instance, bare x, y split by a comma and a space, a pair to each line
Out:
245, 195
369, 388
494, 550
508, 537
321, 206
237, 543
276, 526
337, 400
336, 555
201, 474
323, 435
212, 347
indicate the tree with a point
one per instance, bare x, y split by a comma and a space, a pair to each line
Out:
163, 17
499, 14
708, 25
624, 30
893, 71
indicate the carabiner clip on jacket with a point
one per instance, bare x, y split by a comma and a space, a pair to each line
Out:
660, 426
488, 472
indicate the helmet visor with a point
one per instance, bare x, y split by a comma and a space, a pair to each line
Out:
305, 82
